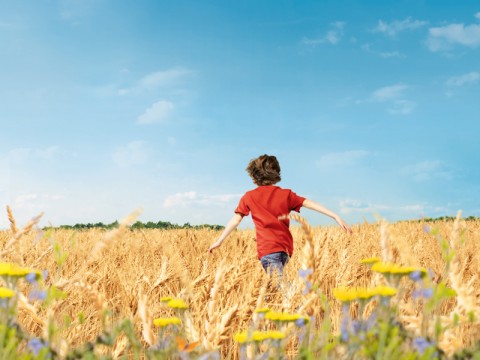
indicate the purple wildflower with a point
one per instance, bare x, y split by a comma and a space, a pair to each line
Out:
303, 273
421, 344
31, 278
35, 345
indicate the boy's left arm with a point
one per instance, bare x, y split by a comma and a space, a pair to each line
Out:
312, 205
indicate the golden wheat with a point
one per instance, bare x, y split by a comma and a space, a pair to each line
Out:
129, 271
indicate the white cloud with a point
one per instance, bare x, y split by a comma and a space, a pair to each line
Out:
179, 199
342, 158
352, 206
333, 36
391, 54
158, 112
464, 79
21, 199
444, 38
134, 153
168, 78
411, 211
394, 95
163, 78
21, 154
477, 15
384, 54
427, 170
158, 79
401, 107
388, 93
191, 198
393, 28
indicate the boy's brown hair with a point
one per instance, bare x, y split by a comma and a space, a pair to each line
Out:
264, 170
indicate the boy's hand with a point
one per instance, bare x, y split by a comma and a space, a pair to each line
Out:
343, 224
214, 246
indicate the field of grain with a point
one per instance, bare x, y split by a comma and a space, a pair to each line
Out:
128, 272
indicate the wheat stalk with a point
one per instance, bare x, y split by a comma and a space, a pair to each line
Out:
11, 219
147, 322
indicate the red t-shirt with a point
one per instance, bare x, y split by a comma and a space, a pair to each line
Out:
267, 203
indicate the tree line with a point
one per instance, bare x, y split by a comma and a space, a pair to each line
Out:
166, 225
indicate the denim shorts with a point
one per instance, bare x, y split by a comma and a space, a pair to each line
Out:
275, 262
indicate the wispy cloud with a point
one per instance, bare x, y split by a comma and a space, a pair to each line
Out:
394, 95
30, 204
469, 78
342, 158
158, 79
388, 93
401, 107
193, 198
26, 153
384, 54
412, 211
156, 113
133, 153
352, 206
333, 36
444, 38
427, 170
393, 28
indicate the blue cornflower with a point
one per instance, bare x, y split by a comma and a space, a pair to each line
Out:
303, 273
308, 286
301, 322
31, 278
416, 275
356, 326
421, 344
37, 294
35, 345
423, 293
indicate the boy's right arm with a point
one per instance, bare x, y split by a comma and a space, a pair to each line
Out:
231, 225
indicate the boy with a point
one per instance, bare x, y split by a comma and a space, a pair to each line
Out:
267, 203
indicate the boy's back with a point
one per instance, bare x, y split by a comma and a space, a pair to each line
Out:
267, 203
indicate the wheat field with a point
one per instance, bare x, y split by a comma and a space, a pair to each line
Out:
129, 271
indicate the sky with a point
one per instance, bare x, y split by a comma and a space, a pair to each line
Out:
109, 106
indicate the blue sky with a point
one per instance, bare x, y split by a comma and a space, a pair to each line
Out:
107, 106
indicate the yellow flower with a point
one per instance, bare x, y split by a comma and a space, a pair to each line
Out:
371, 260
395, 269
262, 310
162, 322
344, 294
177, 304
6, 293
284, 317
13, 270
384, 291
350, 294
166, 299
258, 336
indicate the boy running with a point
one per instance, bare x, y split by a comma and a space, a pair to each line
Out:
267, 203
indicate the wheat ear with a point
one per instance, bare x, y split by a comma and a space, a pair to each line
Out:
11, 219
146, 318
